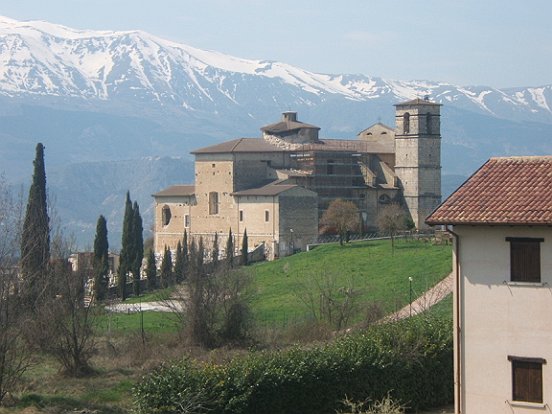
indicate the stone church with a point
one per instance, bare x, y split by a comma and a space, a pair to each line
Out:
278, 186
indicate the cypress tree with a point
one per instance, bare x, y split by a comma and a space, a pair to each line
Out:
166, 268
244, 249
151, 271
35, 238
215, 253
101, 260
179, 263
185, 256
137, 253
125, 262
200, 256
230, 250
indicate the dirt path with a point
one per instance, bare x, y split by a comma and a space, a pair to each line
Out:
434, 295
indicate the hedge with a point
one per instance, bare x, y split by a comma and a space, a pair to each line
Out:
411, 359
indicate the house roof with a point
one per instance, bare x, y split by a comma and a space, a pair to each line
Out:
267, 190
176, 190
509, 190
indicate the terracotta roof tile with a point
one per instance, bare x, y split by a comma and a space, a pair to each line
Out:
509, 190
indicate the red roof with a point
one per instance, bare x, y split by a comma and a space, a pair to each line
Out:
510, 190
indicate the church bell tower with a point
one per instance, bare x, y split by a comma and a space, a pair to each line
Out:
418, 156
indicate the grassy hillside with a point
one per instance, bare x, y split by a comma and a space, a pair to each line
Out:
370, 268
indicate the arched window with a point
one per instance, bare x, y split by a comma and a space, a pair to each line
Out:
428, 123
406, 123
165, 215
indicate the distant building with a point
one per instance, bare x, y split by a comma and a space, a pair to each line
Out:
278, 186
501, 219
83, 263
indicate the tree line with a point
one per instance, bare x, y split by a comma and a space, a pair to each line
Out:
42, 299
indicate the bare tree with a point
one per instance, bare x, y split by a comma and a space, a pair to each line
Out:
64, 325
14, 355
213, 306
327, 300
391, 220
341, 217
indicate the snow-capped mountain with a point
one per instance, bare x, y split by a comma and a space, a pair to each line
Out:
105, 101
44, 59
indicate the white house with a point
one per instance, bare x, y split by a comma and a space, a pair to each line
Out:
501, 220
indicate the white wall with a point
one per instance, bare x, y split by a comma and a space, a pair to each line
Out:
501, 319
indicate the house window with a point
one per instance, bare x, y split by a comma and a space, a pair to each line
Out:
330, 167
527, 379
267, 215
187, 220
406, 123
213, 202
241, 215
525, 259
165, 215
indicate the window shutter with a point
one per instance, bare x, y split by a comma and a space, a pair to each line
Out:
525, 259
527, 381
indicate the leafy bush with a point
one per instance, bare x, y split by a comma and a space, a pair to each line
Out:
384, 406
408, 361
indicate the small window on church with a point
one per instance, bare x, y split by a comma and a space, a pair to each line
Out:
384, 133
330, 167
241, 215
428, 123
406, 123
369, 133
165, 215
267, 215
384, 199
187, 220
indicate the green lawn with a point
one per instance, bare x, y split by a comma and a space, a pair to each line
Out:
155, 296
154, 322
378, 275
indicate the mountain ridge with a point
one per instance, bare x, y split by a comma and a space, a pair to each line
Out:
50, 59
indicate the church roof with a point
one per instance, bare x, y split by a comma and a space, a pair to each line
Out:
239, 145
418, 101
380, 124
508, 190
176, 191
256, 145
267, 190
286, 125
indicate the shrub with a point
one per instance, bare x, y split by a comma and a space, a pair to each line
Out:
409, 362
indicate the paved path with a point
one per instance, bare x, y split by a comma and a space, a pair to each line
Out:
434, 295
162, 306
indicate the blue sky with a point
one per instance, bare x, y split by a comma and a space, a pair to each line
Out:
467, 42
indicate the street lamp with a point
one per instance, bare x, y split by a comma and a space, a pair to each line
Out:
291, 240
410, 300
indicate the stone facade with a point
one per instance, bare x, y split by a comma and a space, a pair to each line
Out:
418, 157
278, 186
